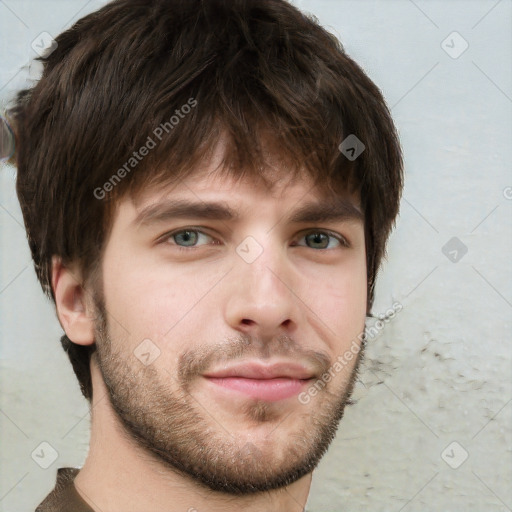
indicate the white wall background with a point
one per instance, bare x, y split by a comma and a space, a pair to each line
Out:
440, 372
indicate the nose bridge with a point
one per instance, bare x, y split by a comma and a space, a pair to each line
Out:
267, 269
266, 276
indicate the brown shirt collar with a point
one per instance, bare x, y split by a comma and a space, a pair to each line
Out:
64, 497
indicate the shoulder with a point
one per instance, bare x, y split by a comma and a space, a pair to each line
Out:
64, 497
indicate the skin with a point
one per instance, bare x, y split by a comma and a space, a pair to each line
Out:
163, 436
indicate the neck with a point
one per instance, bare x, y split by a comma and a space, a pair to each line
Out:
120, 475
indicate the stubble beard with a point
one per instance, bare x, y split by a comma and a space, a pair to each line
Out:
180, 433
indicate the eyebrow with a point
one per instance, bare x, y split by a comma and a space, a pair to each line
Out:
328, 211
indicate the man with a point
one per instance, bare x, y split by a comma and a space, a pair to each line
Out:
207, 188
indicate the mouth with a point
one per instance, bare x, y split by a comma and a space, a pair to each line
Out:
268, 382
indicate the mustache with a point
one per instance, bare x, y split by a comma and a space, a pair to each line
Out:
194, 362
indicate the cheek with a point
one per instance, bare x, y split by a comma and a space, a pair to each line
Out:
339, 300
149, 301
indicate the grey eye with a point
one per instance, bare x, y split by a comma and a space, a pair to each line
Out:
188, 237
316, 239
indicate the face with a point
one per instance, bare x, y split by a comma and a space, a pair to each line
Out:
226, 310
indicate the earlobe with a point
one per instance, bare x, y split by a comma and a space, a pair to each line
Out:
73, 312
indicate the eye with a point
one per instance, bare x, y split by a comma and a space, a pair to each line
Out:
189, 239
324, 240
185, 238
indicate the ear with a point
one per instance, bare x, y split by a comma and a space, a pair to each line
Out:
74, 311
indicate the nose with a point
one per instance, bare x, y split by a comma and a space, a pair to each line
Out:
262, 296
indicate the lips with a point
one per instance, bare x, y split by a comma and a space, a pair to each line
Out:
260, 371
268, 382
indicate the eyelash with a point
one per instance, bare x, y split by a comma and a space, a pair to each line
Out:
342, 240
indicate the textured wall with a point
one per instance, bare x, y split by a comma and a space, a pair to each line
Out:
436, 386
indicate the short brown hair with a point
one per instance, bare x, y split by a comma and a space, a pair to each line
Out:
259, 71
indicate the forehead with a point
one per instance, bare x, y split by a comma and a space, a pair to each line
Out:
272, 181
275, 176
227, 191
223, 198
273, 189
